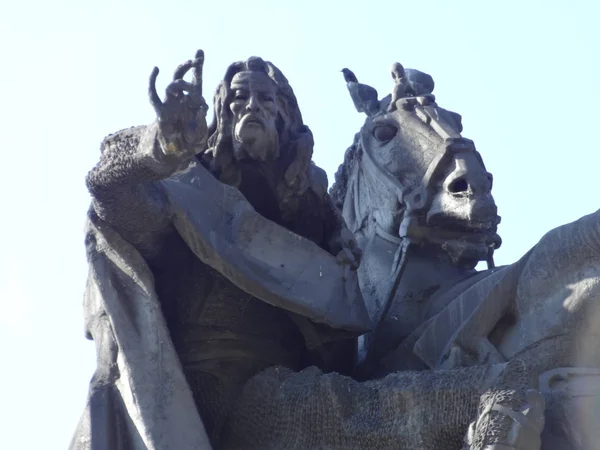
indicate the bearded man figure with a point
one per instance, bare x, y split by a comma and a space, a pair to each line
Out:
258, 143
221, 289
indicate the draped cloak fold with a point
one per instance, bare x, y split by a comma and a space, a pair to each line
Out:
139, 397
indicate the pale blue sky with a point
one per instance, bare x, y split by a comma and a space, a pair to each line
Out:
523, 74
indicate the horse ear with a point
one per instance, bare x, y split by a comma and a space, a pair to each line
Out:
363, 96
457, 120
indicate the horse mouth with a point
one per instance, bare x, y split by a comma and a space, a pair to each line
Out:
474, 227
481, 224
473, 231
466, 242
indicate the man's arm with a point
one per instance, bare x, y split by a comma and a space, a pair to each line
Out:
123, 183
123, 188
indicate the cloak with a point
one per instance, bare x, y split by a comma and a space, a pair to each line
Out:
139, 397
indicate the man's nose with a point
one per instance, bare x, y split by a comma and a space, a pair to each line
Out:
253, 104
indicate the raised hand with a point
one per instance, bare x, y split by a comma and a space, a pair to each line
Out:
181, 116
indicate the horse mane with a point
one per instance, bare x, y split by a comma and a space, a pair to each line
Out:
339, 188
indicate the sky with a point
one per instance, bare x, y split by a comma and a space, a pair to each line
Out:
523, 75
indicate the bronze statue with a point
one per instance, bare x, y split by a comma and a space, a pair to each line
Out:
223, 334
223, 294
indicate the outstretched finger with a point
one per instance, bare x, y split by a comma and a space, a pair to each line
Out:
182, 69
198, 67
155, 100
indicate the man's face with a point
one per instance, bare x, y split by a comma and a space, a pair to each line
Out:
254, 116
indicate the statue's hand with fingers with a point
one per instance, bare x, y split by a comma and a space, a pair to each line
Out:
181, 117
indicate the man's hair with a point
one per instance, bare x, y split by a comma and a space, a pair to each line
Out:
295, 139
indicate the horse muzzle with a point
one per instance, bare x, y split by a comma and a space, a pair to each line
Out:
466, 227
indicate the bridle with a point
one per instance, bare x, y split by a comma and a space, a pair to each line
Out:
419, 200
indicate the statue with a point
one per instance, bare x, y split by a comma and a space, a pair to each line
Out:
417, 197
204, 253
224, 301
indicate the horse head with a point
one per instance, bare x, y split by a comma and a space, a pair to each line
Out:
411, 175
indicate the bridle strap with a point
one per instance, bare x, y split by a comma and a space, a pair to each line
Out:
418, 200
421, 197
387, 236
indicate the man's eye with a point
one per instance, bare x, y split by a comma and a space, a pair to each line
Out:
241, 96
266, 98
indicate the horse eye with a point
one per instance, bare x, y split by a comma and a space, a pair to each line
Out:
384, 133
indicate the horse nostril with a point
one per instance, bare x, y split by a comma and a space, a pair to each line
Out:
458, 185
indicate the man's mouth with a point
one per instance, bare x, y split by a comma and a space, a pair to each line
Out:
252, 120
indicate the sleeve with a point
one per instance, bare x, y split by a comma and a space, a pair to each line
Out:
124, 185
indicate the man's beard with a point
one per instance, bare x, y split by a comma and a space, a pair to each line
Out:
262, 148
